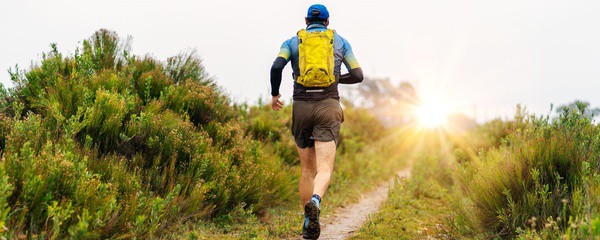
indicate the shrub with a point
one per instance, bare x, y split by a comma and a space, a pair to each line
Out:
105, 50
103, 121
202, 103
541, 171
5, 192
187, 66
165, 144
104, 144
268, 126
5, 123
360, 128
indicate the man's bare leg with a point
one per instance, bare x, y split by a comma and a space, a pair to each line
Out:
308, 164
324, 157
325, 154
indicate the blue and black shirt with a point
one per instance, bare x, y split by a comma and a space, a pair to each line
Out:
289, 52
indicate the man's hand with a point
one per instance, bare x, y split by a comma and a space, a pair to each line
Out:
275, 103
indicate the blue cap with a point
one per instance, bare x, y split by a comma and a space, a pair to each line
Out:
317, 11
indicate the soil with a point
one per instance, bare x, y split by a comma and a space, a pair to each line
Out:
349, 219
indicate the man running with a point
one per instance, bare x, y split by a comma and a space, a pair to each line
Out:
317, 54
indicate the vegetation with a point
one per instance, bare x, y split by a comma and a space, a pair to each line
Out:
417, 206
106, 144
529, 178
542, 181
363, 161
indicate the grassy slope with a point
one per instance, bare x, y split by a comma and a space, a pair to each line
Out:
417, 207
354, 174
104, 144
450, 200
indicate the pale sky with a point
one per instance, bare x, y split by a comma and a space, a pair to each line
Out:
480, 57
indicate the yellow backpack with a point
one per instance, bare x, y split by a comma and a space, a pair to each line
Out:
316, 58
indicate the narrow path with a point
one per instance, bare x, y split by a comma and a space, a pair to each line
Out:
349, 219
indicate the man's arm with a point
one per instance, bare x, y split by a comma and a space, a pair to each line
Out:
354, 76
355, 73
282, 58
276, 71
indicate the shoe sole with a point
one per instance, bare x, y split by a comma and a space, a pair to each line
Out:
312, 212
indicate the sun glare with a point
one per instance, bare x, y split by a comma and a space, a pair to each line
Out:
432, 114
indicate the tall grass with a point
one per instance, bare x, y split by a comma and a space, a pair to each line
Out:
417, 207
528, 178
540, 179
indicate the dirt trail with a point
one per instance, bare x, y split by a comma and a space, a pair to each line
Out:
349, 219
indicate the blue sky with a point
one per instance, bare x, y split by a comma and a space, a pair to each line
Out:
480, 57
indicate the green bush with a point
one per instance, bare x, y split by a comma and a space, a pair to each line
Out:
5, 123
5, 192
268, 126
5, 120
105, 50
187, 66
360, 129
105, 144
202, 103
103, 120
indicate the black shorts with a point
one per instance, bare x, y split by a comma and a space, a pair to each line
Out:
316, 120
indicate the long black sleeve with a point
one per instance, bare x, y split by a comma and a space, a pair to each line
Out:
276, 71
354, 76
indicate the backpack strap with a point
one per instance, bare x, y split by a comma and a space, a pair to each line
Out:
330, 34
301, 35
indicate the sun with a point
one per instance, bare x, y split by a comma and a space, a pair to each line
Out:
432, 113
